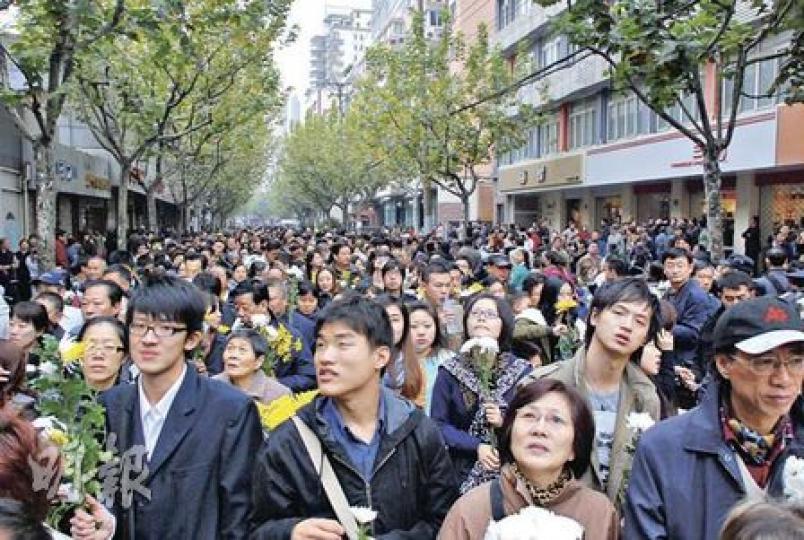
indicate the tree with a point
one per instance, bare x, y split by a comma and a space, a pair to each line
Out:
51, 34
326, 164
202, 65
415, 106
659, 51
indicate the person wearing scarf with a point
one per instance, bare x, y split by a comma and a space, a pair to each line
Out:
744, 440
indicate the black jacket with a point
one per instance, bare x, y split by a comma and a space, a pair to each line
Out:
412, 488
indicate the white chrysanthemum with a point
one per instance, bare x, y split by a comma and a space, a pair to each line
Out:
485, 344
639, 421
68, 493
533, 523
295, 272
259, 320
363, 515
793, 479
48, 368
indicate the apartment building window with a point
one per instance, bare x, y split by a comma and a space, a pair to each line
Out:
548, 137
550, 52
435, 18
624, 118
675, 111
506, 13
582, 124
758, 79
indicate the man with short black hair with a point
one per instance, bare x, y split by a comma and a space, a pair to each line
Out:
251, 303
693, 309
198, 436
775, 281
624, 317
691, 470
385, 453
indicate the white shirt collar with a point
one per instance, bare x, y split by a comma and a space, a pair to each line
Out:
162, 407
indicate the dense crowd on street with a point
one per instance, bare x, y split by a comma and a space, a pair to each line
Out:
477, 382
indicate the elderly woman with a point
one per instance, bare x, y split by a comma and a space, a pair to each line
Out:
545, 443
104, 360
470, 392
242, 366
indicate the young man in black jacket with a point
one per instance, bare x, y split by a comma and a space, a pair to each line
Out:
386, 454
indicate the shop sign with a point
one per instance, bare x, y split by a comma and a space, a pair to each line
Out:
94, 181
698, 158
64, 171
565, 170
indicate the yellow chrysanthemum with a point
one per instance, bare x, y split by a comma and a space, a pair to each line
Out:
74, 352
281, 409
562, 306
58, 437
223, 329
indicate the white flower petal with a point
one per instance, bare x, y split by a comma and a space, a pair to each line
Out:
639, 421
363, 515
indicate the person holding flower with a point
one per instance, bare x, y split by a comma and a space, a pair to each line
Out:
559, 305
243, 360
472, 388
104, 343
545, 443
294, 367
744, 440
624, 316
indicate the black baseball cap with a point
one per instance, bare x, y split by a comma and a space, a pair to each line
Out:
500, 261
759, 325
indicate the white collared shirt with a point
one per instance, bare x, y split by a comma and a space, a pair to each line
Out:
153, 416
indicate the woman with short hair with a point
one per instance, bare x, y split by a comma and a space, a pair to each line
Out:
545, 443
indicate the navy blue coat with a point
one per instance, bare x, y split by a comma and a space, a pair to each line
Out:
200, 470
685, 478
299, 373
694, 308
304, 325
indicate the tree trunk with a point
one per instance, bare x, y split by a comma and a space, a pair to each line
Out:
46, 210
714, 221
122, 206
150, 197
465, 203
427, 218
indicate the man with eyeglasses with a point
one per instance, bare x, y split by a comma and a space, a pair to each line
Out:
196, 436
690, 471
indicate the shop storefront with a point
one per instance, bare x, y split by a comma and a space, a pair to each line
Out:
781, 200
533, 190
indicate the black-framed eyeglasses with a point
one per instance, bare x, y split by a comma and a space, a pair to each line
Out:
160, 329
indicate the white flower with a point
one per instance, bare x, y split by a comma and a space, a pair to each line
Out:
259, 320
47, 422
270, 332
793, 479
30, 369
48, 368
296, 272
485, 344
639, 421
533, 523
68, 493
363, 515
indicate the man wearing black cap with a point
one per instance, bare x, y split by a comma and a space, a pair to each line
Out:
689, 471
499, 266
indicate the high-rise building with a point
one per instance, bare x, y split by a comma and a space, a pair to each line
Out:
334, 54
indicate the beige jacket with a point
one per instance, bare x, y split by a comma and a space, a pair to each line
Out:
469, 517
263, 388
637, 394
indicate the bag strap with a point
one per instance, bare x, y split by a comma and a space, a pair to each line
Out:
333, 489
497, 507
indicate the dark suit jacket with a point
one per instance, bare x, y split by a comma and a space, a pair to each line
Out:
199, 473
305, 327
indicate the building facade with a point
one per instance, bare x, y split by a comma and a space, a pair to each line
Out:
600, 154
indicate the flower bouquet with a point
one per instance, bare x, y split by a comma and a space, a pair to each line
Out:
793, 480
567, 342
283, 408
74, 421
637, 423
281, 343
482, 352
534, 523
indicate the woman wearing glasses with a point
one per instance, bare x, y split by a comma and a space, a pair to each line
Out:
106, 351
473, 388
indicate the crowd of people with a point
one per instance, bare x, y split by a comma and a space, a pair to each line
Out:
433, 386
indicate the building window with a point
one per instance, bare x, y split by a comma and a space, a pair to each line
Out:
582, 124
624, 118
550, 52
548, 137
